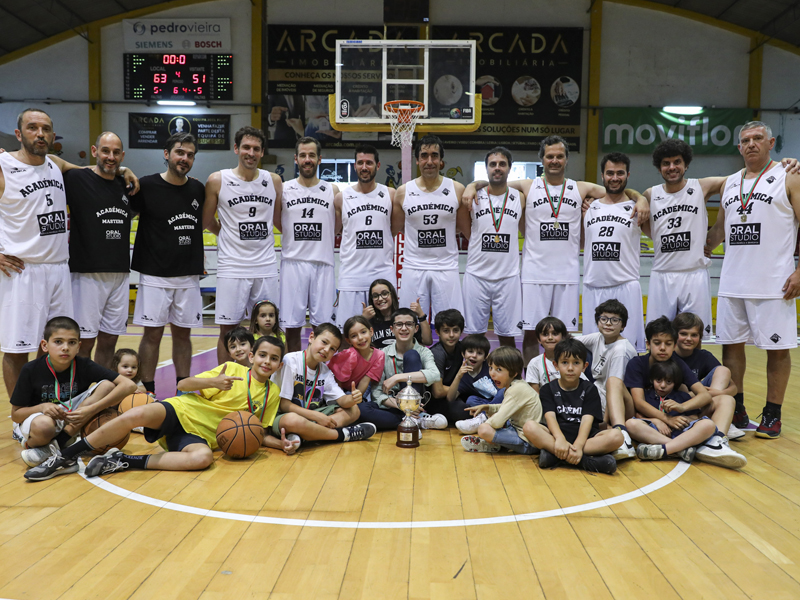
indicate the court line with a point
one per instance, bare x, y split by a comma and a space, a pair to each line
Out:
673, 475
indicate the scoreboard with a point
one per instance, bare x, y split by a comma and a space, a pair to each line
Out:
178, 76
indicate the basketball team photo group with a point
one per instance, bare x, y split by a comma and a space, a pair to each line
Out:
542, 347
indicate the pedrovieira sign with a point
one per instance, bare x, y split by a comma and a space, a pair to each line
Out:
640, 130
169, 36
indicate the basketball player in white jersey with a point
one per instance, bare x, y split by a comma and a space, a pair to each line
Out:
758, 221
306, 217
367, 249
551, 252
491, 281
35, 285
429, 209
245, 198
612, 243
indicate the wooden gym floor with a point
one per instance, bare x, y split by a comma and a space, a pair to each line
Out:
369, 520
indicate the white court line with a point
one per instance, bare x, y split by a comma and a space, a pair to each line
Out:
169, 361
679, 470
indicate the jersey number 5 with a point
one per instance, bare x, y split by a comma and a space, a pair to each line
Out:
49, 200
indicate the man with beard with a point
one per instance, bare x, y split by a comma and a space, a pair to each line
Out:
611, 251
491, 281
429, 209
168, 254
551, 253
247, 200
35, 285
99, 249
308, 224
367, 249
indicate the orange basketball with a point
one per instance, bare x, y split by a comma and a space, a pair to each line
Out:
240, 434
100, 419
134, 400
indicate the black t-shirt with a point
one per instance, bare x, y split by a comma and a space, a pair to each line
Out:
700, 362
169, 241
99, 223
637, 373
37, 385
382, 335
448, 364
570, 406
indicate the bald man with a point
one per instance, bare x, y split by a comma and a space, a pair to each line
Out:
99, 249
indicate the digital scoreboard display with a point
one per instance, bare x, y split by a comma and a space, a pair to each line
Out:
178, 76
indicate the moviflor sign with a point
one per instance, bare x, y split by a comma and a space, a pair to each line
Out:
640, 130
196, 36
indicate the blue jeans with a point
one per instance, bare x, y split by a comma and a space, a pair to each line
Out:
478, 400
509, 439
382, 418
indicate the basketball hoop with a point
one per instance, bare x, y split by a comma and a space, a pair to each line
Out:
403, 115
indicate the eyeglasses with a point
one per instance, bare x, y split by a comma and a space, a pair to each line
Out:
383, 295
613, 320
404, 324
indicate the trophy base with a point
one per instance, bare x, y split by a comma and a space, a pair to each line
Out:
407, 436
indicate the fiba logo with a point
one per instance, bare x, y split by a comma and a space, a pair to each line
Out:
139, 28
455, 113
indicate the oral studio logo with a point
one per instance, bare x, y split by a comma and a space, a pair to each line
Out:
139, 28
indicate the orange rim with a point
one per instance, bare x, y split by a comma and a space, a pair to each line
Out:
404, 109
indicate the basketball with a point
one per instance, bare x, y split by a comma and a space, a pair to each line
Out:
100, 419
240, 434
134, 400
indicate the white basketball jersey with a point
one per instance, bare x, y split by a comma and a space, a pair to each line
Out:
308, 220
246, 245
430, 231
678, 227
367, 249
552, 246
493, 252
759, 251
33, 212
612, 244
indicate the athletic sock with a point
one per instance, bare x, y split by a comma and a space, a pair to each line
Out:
150, 386
63, 439
340, 434
770, 408
76, 449
620, 427
664, 448
739, 398
135, 461
179, 379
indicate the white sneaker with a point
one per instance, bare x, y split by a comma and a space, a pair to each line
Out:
139, 429
734, 433
472, 443
715, 451
471, 425
35, 456
626, 450
427, 421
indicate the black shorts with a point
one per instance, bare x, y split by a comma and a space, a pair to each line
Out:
172, 431
571, 431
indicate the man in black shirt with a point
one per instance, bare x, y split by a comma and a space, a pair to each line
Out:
99, 249
168, 253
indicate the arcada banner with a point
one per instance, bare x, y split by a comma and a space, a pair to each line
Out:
640, 130
151, 130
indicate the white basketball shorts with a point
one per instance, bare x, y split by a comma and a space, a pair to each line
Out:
502, 297
670, 293
306, 285
769, 323
101, 303
236, 297
629, 294
540, 300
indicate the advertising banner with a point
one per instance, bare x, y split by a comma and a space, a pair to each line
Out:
151, 130
177, 35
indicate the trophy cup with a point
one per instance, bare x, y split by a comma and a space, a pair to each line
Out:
409, 401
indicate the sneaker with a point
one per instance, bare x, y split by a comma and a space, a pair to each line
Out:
36, 456
604, 463
55, 465
716, 452
362, 431
770, 427
471, 425
472, 443
139, 429
110, 462
687, 455
626, 449
427, 421
740, 418
734, 433
547, 460
650, 451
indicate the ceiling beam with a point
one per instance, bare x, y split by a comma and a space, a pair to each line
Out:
24, 22
726, 9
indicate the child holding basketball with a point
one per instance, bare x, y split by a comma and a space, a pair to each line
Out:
501, 425
360, 363
126, 362
264, 320
572, 410
312, 404
186, 425
239, 343
59, 392
668, 421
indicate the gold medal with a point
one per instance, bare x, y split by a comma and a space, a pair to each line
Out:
744, 218
556, 225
